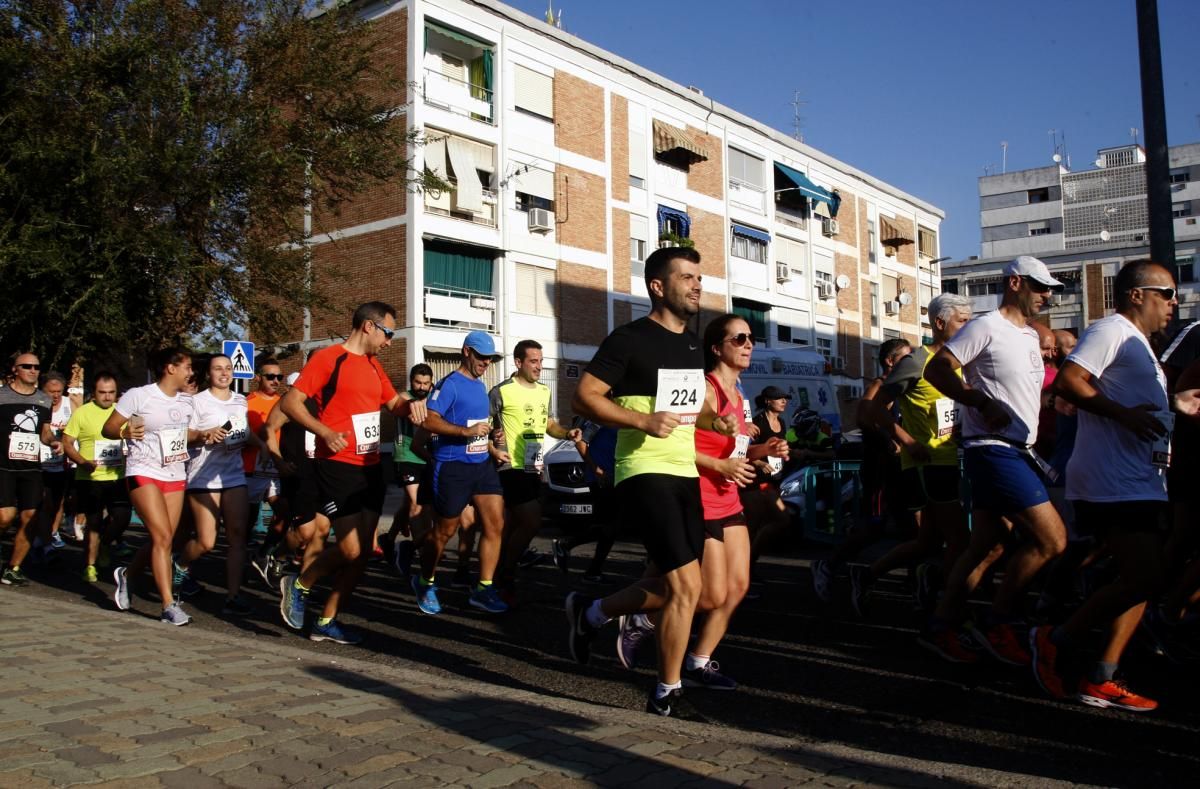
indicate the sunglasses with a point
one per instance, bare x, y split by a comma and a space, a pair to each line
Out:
29, 366
741, 339
387, 333
1035, 286
272, 376
1167, 293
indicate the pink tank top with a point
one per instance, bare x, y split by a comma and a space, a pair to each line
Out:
719, 496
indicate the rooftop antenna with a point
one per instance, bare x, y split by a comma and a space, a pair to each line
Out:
1003, 156
988, 168
1133, 132
798, 119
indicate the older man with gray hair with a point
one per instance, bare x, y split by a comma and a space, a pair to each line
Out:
929, 455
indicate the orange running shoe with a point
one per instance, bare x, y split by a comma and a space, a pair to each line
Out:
1114, 693
1045, 655
1002, 642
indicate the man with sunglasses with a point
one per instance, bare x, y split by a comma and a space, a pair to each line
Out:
262, 478
1116, 480
24, 428
349, 386
1002, 374
463, 473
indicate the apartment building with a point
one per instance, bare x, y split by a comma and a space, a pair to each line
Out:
1085, 225
566, 167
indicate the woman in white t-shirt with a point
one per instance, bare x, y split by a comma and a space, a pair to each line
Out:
216, 487
157, 421
55, 478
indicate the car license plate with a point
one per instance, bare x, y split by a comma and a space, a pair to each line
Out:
575, 509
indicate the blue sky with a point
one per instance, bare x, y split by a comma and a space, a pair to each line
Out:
919, 94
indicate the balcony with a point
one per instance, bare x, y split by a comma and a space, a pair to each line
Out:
457, 96
460, 309
445, 203
747, 195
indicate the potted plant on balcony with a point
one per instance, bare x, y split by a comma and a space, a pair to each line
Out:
669, 239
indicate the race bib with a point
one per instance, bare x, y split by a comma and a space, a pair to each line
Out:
238, 433
775, 464
310, 444
480, 443
948, 415
107, 453
24, 446
366, 433
173, 442
1160, 452
680, 392
534, 451
741, 446
264, 465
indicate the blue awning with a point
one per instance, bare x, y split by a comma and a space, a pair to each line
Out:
750, 232
684, 221
806, 187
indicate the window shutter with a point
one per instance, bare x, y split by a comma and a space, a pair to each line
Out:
637, 142
534, 92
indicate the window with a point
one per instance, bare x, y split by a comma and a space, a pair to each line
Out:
950, 286
746, 169
535, 290
534, 188
526, 202
1108, 293
926, 294
992, 288
534, 92
926, 242
792, 327
823, 276
875, 304
1179, 210
872, 241
637, 146
1185, 269
891, 334
822, 263
792, 254
638, 237
1039, 228
825, 346
748, 243
754, 314
1180, 176
792, 334
673, 224
891, 288
1039, 195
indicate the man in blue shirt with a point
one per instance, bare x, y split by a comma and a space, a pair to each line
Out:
463, 473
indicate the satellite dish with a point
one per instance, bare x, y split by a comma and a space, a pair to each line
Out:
1105, 235
904, 298
1057, 158
842, 282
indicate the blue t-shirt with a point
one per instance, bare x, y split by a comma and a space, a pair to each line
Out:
460, 401
602, 448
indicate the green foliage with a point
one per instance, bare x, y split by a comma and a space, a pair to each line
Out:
677, 240
155, 157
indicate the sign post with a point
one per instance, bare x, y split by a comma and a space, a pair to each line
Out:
241, 354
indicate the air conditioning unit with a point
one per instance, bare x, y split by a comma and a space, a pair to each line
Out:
540, 220
782, 273
837, 364
824, 290
829, 227
891, 307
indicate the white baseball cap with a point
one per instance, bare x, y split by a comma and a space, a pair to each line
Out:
292, 378
1029, 266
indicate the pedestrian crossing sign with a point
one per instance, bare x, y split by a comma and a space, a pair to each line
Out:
241, 353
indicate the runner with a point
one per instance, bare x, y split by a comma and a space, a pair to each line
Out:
55, 477
597, 445
100, 488
654, 368
463, 474
24, 428
157, 421
262, 478
349, 387
216, 482
1002, 364
410, 468
929, 459
765, 511
520, 407
1117, 483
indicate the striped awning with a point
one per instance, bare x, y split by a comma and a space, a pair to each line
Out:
891, 234
670, 139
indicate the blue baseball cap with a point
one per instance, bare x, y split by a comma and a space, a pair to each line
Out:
481, 343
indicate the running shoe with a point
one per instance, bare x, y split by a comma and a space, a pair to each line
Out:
461, 578
427, 599
1114, 693
1045, 661
560, 554
657, 706
1002, 642
189, 586
121, 592
630, 634
709, 676
237, 606
174, 615
487, 598
77, 533
822, 577
292, 602
13, 577
335, 633
951, 644
262, 565
404, 557
90, 575
531, 557
860, 589
56, 541
377, 552
580, 634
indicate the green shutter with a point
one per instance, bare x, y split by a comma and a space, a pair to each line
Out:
458, 268
757, 318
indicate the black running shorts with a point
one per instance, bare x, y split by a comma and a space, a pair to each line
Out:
94, 498
21, 489
925, 485
520, 487
666, 511
347, 489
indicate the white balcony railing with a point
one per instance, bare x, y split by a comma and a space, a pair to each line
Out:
460, 309
454, 95
445, 203
748, 195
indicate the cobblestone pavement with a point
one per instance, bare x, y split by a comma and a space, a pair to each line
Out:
116, 699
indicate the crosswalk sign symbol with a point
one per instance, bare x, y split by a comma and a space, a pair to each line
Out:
241, 354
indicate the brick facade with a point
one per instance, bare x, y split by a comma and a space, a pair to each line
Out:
353, 270
620, 251
864, 236
707, 177
579, 209
708, 231
1094, 276
582, 304
847, 219
619, 146
847, 266
622, 313
850, 347
391, 58
379, 201
578, 116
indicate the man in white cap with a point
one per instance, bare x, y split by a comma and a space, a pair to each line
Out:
1002, 374
463, 473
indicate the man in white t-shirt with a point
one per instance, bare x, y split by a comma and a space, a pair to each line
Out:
1001, 386
1117, 481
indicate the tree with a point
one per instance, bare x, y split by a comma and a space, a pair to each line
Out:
156, 157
